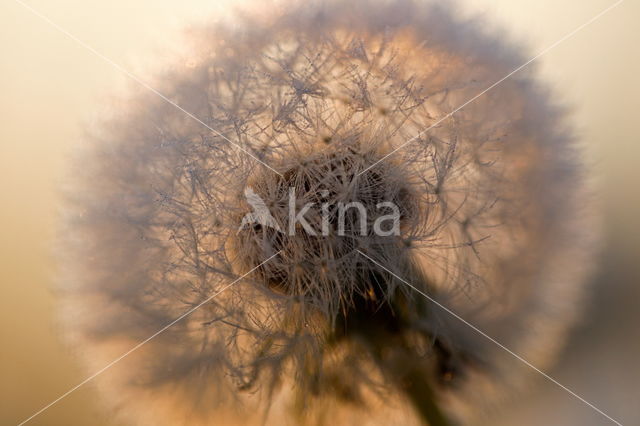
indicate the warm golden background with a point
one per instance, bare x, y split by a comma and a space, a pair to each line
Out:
50, 87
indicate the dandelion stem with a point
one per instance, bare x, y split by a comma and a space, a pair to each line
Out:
419, 391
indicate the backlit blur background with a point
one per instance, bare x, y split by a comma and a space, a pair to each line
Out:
51, 86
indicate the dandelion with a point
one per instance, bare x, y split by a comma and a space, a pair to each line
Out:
482, 212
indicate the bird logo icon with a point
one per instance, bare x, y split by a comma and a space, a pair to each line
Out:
260, 214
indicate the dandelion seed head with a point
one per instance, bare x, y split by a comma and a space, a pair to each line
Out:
327, 95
